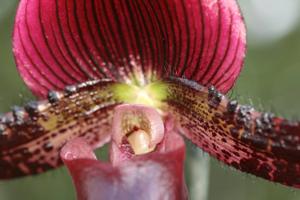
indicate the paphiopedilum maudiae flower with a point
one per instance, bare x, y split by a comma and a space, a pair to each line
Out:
164, 54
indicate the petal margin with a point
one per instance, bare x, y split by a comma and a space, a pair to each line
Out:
31, 137
62, 42
253, 142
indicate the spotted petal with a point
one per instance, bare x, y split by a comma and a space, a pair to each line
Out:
31, 137
63, 42
253, 142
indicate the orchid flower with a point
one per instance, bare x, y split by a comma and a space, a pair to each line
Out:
89, 58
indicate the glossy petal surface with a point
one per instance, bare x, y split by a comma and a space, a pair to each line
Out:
153, 176
62, 42
253, 142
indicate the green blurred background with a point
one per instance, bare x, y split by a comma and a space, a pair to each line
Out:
270, 81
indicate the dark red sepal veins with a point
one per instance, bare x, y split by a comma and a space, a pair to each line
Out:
64, 42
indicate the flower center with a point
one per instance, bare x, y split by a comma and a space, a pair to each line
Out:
151, 94
139, 126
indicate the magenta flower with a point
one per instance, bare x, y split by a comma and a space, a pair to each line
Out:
163, 54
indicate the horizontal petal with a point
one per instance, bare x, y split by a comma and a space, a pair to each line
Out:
31, 137
152, 176
253, 142
62, 42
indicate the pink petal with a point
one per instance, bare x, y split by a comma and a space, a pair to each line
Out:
253, 142
154, 176
62, 42
31, 137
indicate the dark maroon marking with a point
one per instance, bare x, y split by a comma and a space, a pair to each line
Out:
232, 106
31, 107
48, 147
53, 96
214, 96
41, 128
253, 142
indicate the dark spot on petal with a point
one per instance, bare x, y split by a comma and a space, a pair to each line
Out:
214, 97
232, 106
53, 96
254, 139
48, 147
264, 171
31, 107
249, 165
234, 132
235, 165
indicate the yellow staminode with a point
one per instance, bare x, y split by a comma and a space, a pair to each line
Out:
140, 142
